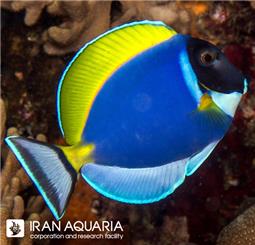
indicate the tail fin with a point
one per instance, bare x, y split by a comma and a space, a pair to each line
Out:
48, 168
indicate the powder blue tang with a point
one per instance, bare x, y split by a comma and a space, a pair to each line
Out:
140, 107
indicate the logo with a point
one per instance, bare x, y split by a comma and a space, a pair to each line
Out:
15, 228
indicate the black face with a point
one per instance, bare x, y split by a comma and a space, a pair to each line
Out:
212, 68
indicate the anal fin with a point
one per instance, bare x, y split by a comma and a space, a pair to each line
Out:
142, 185
137, 185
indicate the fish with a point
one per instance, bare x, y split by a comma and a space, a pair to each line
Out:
140, 107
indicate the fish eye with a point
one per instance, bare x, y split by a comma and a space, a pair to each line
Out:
207, 57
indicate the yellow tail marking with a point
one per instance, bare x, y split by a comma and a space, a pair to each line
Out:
78, 155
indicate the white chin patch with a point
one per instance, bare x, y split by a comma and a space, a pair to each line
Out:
227, 102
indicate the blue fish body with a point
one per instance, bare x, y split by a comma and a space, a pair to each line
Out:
140, 107
142, 116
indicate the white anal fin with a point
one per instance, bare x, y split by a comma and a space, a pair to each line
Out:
137, 185
142, 185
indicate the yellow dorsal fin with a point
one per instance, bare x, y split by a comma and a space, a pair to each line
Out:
94, 64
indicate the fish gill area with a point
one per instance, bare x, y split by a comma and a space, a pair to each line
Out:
216, 205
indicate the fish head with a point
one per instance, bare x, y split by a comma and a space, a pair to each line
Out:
216, 75
213, 70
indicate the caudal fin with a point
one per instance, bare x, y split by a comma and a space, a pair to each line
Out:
48, 168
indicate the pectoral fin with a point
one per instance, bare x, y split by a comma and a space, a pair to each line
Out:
210, 118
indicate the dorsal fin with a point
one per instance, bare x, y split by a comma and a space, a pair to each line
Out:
94, 64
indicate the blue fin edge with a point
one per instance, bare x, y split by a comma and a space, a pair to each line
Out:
156, 23
26, 168
188, 173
